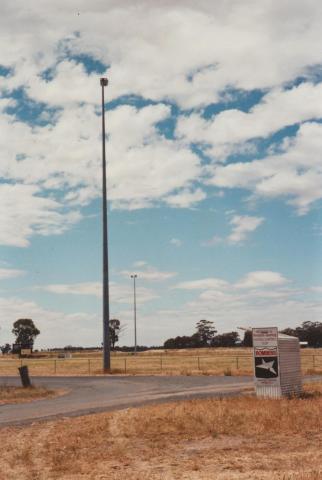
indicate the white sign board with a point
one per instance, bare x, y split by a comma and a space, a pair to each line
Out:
266, 361
25, 351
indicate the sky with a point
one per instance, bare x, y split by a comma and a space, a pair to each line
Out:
214, 151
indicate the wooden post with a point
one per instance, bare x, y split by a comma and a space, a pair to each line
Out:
89, 365
161, 363
125, 365
24, 375
198, 363
55, 366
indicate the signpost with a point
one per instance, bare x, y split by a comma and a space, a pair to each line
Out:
266, 360
25, 351
277, 363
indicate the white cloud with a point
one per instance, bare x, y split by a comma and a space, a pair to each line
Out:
187, 52
252, 280
10, 273
316, 289
143, 167
278, 108
203, 284
84, 288
242, 225
24, 212
140, 263
294, 174
147, 272
158, 59
120, 294
261, 279
266, 300
186, 198
176, 242
215, 240
56, 327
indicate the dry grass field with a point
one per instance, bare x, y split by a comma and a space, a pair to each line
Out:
10, 394
217, 439
206, 361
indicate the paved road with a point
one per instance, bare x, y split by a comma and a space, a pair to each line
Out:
96, 394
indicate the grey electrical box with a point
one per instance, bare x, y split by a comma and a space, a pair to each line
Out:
277, 363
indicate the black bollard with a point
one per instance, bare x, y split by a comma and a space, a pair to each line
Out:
24, 375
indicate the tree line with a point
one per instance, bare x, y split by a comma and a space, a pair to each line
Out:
205, 336
26, 332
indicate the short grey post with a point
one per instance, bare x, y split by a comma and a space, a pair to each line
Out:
24, 376
134, 276
106, 304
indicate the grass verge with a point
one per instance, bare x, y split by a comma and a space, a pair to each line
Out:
10, 394
224, 439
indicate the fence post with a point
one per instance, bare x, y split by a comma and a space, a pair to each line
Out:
237, 363
161, 363
55, 366
125, 365
198, 363
89, 365
314, 361
21, 363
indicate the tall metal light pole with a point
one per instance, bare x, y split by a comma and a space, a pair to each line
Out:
106, 300
134, 276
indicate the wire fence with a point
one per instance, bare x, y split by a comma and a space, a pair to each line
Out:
223, 364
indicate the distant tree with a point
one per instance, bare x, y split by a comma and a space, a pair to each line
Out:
310, 332
115, 329
228, 339
293, 332
206, 331
183, 342
170, 343
248, 339
5, 349
25, 332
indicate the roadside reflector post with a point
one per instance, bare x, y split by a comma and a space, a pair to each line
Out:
277, 363
24, 375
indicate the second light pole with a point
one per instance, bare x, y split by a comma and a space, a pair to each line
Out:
134, 276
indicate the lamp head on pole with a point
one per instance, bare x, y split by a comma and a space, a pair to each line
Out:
103, 82
134, 276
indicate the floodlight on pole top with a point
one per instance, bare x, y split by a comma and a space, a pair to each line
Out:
104, 82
